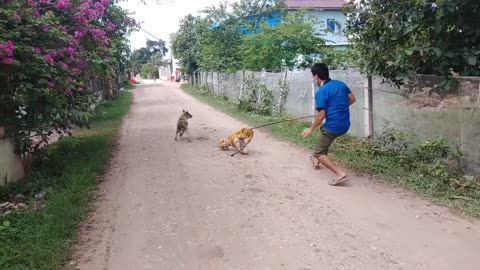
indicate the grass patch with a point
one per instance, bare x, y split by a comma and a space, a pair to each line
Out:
128, 86
41, 239
425, 168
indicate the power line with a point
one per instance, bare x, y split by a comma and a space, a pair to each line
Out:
150, 34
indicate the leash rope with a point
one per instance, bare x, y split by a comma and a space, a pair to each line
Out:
286, 120
273, 123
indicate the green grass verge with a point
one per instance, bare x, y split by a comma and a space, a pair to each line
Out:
128, 86
427, 180
41, 239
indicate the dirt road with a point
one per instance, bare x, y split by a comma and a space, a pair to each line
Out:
179, 205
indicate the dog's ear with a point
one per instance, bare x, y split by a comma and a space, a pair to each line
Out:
183, 111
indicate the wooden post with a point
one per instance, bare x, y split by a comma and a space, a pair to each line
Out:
368, 114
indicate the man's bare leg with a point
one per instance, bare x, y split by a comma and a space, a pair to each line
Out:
328, 163
315, 162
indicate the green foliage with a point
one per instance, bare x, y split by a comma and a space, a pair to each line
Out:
220, 49
186, 43
48, 53
293, 44
149, 70
255, 98
339, 59
151, 55
396, 38
40, 238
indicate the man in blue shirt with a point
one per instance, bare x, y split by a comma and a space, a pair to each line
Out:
332, 102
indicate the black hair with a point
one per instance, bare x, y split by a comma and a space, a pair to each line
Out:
321, 70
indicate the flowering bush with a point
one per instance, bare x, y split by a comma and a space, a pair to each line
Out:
48, 49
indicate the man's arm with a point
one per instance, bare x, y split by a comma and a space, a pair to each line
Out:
351, 99
318, 120
316, 123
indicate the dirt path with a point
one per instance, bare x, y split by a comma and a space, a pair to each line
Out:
179, 205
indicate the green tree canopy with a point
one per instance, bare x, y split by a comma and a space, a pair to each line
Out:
293, 44
395, 38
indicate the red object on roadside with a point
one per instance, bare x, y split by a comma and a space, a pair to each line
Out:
132, 81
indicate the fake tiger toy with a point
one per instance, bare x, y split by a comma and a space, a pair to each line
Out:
239, 140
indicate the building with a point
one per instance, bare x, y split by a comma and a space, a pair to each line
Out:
327, 15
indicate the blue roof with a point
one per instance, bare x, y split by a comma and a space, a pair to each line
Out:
215, 26
273, 20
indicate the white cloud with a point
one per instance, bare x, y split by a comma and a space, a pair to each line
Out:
162, 19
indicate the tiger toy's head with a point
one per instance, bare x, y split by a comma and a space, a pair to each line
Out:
223, 143
246, 132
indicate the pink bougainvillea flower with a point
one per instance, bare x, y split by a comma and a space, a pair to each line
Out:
45, 28
64, 66
38, 51
49, 59
8, 48
31, 3
63, 29
7, 61
63, 4
51, 84
79, 34
17, 17
111, 26
98, 34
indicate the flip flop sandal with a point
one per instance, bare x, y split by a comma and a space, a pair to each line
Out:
335, 181
316, 166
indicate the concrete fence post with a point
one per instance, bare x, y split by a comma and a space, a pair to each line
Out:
368, 114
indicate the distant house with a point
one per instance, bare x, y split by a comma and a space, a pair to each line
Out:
328, 15
273, 19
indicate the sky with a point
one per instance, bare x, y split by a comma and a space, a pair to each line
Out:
162, 19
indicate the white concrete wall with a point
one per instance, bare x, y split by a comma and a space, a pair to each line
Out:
11, 166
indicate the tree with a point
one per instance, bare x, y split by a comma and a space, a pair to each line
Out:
187, 42
152, 54
293, 44
397, 38
48, 50
157, 46
220, 49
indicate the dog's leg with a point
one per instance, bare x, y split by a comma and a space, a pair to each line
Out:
187, 132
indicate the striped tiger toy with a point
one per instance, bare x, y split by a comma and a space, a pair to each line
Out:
237, 140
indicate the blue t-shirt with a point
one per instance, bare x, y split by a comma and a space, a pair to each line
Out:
333, 98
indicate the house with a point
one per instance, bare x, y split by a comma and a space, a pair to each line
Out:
274, 19
328, 15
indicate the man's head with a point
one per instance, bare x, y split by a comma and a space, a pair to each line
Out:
320, 73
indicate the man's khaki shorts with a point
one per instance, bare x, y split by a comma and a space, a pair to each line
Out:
324, 142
